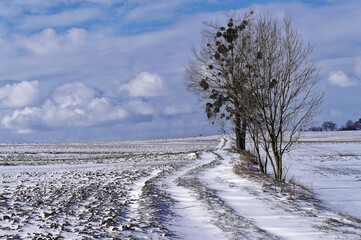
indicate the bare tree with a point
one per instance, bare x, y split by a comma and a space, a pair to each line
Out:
332, 126
257, 73
351, 126
358, 124
282, 95
315, 129
329, 126
215, 74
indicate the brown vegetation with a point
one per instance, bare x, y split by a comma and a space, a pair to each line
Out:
248, 158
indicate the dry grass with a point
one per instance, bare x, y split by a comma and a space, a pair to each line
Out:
6, 164
232, 149
350, 218
292, 187
237, 170
346, 155
247, 165
248, 158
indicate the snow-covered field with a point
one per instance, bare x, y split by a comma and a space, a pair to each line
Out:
329, 163
185, 188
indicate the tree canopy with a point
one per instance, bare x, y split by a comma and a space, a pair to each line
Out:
256, 73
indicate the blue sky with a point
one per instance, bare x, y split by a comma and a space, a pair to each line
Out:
101, 70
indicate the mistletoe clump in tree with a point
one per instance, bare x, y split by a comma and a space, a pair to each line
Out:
216, 74
256, 72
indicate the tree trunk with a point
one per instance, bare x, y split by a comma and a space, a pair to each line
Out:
279, 173
265, 165
280, 170
259, 160
277, 158
240, 132
243, 135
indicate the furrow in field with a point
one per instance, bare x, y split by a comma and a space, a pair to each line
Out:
147, 206
71, 203
150, 208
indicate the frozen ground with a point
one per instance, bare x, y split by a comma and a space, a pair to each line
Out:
330, 164
187, 188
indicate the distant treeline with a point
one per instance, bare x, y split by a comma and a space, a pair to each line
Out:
331, 126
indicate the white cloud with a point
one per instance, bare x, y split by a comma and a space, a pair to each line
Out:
145, 85
19, 94
335, 113
73, 94
97, 112
72, 105
142, 108
22, 120
48, 42
176, 110
65, 18
358, 68
152, 10
339, 78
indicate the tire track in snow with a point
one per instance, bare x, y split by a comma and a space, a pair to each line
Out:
240, 194
279, 216
192, 221
203, 215
150, 207
144, 208
136, 192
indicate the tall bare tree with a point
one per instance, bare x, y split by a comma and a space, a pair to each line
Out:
282, 98
257, 73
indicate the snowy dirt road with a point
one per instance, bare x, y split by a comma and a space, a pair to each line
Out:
165, 189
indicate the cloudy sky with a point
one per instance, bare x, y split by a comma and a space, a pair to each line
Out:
100, 70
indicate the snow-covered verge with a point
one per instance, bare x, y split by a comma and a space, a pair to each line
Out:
330, 167
189, 188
